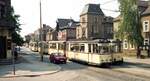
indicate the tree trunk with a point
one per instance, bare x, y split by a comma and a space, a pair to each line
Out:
138, 52
148, 51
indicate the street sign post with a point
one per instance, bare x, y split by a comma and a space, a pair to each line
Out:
13, 58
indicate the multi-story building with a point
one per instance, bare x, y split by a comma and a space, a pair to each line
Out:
128, 47
45, 29
6, 26
145, 19
41, 32
67, 29
94, 24
51, 35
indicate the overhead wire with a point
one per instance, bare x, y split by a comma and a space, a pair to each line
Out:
110, 1
107, 2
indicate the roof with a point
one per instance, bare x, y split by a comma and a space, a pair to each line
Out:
142, 3
117, 18
108, 19
93, 9
146, 12
66, 23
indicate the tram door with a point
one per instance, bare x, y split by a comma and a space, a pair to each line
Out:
2, 47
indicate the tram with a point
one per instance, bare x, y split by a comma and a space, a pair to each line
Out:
33, 46
44, 46
95, 52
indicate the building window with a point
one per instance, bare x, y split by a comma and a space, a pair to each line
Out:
83, 32
146, 41
82, 48
146, 26
95, 20
125, 44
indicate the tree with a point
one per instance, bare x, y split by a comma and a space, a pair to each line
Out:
16, 37
130, 26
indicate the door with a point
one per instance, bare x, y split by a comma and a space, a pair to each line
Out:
2, 47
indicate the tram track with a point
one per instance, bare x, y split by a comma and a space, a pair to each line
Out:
120, 75
102, 74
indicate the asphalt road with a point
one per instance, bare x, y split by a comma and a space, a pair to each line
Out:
78, 72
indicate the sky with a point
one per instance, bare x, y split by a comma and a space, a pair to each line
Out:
53, 9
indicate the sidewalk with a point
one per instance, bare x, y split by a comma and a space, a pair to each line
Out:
29, 67
138, 67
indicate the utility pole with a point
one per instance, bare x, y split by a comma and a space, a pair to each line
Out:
41, 46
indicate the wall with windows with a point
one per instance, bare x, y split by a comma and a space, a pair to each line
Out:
5, 27
90, 27
146, 29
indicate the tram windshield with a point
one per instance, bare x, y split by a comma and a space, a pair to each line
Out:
103, 48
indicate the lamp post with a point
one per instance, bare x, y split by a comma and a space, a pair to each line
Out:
41, 46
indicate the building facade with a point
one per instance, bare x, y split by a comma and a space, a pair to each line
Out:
108, 27
6, 26
128, 47
67, 29
51, 35
94, 24
91, 20
145, 19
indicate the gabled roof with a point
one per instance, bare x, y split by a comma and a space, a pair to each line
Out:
66, 23
108, 19
146, 12
93, 9
117, 18
142, 3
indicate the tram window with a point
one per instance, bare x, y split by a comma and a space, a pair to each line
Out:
82, 48
95, 48
104, 50
53, 45
74, 47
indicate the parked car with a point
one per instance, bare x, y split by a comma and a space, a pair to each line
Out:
57, 58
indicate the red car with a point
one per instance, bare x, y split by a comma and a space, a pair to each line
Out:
57, 58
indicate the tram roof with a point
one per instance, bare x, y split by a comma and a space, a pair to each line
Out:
83, 41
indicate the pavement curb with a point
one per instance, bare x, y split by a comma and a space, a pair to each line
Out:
34, 75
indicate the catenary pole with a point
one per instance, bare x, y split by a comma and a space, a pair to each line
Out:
41, 46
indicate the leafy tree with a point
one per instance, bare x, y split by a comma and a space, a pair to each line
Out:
16, 37
130, 26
